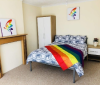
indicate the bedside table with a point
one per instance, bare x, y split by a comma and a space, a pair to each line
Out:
93, 53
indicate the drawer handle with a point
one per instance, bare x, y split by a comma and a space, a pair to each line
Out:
94, 51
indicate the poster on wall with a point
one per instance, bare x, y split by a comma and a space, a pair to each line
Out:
73, 13
7, 27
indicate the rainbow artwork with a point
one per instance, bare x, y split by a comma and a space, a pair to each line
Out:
73, 13
9, 26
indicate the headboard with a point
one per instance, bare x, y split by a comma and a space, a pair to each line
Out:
86, 40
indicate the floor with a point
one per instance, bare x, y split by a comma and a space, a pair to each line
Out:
49, 75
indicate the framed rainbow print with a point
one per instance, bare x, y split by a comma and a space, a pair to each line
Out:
73, 13
7, 27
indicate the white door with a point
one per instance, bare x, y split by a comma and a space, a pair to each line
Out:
40, 22
47, 30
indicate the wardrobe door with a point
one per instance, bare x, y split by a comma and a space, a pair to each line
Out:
40, 22
47, 30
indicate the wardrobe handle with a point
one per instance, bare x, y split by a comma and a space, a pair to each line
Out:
44, 36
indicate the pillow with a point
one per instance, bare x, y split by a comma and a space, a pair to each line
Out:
77, 39
62, 38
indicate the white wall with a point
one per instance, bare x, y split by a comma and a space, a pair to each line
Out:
11, 55
30, 12
88, 24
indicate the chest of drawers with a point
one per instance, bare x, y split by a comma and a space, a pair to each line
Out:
94, 52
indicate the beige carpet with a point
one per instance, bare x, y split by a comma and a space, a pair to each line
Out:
49, 75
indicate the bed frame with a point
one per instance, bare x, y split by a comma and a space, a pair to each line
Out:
69, 68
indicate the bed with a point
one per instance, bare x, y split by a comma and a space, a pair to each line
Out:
45, 56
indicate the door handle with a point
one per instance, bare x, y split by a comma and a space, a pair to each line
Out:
44, 36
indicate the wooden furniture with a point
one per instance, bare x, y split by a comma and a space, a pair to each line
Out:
94, 53
9, 39
46, 28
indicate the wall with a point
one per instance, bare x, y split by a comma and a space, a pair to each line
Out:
88, 24
11, 55
30, 12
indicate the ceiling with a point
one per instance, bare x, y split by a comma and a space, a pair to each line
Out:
51, 2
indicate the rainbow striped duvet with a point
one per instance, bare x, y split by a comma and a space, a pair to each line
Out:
66, 55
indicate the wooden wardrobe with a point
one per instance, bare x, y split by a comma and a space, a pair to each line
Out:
46, 28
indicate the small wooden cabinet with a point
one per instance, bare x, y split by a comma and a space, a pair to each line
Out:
94, 53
